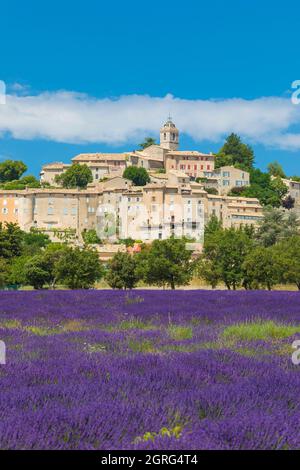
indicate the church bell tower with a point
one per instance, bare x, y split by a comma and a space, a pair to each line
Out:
169, 135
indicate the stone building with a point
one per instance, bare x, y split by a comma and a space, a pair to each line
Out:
225, 178
51, 170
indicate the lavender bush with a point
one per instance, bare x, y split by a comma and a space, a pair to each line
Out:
149, 370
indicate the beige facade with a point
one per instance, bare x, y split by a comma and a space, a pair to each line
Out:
116, 209
155, 211
51, 170
194, 164
225, 178
103, 164
234, 211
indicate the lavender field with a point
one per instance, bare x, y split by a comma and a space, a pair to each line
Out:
149, 370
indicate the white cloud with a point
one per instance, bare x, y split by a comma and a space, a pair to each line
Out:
77, 118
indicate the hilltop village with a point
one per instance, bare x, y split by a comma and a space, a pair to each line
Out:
176, 201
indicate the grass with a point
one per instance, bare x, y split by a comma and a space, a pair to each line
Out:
180, 333
133, 324
42, 330
259, 331
10, 324
144, 346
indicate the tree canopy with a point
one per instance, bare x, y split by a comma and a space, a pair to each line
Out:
11, 170
276, 226
275, 169
268, 191
147, 142
137, 175
122, 271
76, 176
90, 237
235, 153
166, 263
79, 269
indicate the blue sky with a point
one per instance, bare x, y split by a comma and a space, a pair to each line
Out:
98, 76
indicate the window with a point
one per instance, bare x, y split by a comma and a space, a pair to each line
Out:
226, 174
65, 211
4, 210
50, 211
225, 182
74, 211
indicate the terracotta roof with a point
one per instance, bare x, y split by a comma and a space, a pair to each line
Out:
55, 165
189, 152
100, 157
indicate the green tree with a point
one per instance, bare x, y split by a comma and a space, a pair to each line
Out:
166, 263
147, 143
225, 251
235, 153
76, 176
275, 169
137, 175
278, 186
122, 272
79, 269
276, 226
90, 237
28, 181
213, 225
33, 241
11, 170
36, 272
10, 240
17, 272
211, 190
288, 257
261, 268
51, 256
268, 191
4, 273
208, 271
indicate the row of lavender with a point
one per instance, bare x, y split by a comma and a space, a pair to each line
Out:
102, 370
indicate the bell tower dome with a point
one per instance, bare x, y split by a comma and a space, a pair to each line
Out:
169, 135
